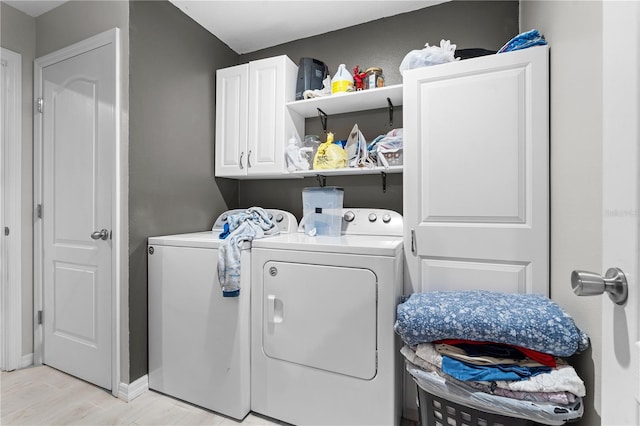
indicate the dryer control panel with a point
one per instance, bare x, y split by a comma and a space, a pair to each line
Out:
284, 220
370, 221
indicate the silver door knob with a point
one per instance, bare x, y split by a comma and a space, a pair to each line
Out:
102, 234
614, 282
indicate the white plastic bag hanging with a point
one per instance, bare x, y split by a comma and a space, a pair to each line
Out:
430, 55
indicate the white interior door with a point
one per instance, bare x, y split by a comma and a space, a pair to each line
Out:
476, 193
621, 209
78, 144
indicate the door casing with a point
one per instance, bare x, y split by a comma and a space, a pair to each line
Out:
11, 159
117, 198
620, 342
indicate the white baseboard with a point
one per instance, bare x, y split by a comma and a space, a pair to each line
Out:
26, 361
129, 392
126, 392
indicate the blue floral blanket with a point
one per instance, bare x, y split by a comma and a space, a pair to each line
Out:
528, 320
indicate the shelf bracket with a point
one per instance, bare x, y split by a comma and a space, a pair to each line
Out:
384, 181
322, 180
390, 112
323, 119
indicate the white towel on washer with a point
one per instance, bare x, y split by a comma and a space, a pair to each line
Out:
246, 226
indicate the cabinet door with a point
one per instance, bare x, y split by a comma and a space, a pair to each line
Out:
271, 84
232, 87
476, 176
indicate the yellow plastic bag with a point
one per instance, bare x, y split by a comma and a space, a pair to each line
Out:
330, 155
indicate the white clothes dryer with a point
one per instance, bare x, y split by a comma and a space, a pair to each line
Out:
199, 341
323, 348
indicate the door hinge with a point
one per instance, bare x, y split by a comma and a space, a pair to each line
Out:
40, 104
413, 241
39, 211
39, 317
6, 230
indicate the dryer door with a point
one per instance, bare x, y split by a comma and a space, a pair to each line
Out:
321, 316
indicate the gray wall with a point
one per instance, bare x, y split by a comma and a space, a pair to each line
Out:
486, 24
77, 20
171, 185
172, 188
574, 32
19, 35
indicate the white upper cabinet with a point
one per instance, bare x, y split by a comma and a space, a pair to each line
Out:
256, 115
252, 123
476, 174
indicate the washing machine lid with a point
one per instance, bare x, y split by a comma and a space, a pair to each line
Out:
204, 239
284, 220
372, 245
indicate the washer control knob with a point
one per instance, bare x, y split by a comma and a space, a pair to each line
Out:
386, 218
372, 217
279, 217
349, 216
270, 216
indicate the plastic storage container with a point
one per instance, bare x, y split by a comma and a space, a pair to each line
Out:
322, 210
373, 78
392, 158
312, 142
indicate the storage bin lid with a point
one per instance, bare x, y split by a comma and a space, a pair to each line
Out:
323, 189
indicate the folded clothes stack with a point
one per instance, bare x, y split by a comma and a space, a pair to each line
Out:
497, 352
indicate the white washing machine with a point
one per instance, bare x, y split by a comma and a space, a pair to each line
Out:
323, 349
199, 341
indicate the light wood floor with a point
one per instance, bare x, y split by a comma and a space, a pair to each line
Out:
44, 396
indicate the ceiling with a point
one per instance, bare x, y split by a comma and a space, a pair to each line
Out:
250, 25
34, 8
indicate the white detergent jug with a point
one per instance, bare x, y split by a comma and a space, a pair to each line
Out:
294, 157
342, 81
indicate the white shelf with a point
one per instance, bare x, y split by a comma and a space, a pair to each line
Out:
361, 100
347, 171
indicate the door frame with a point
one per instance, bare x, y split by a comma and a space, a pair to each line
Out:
620, 346
11, 157
117, 197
